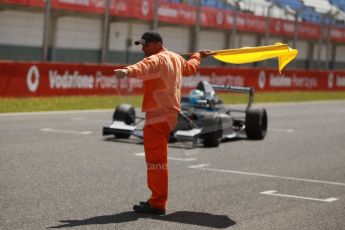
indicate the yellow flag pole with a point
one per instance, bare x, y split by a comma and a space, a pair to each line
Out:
244, 50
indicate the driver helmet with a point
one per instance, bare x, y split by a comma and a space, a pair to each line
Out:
195, 95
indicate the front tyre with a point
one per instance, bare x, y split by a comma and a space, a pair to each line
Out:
256, 124
125, 113
212, 130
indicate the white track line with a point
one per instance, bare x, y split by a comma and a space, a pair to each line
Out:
273, 193
65, 131
204, 167
281, 130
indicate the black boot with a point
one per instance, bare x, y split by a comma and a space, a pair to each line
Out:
146, 208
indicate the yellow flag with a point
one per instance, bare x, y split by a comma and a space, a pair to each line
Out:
253, 54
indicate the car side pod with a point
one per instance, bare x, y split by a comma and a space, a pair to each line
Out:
212, 130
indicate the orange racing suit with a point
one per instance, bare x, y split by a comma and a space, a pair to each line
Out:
162, 76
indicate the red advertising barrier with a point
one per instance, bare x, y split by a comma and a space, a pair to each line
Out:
186, 14
32, 79
271, 80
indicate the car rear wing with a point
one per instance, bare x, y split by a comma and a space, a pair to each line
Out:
237, 89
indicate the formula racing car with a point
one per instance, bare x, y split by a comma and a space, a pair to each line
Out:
204, 118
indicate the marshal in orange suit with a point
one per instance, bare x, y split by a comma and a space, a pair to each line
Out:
161, 71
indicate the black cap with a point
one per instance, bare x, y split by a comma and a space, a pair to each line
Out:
149, 36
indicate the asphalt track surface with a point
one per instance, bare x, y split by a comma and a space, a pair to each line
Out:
57, 171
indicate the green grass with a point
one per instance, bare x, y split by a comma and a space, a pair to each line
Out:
293, 96
109, 102
64, 103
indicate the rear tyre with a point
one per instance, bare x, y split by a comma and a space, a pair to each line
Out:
125, 113
212, 130
256, 124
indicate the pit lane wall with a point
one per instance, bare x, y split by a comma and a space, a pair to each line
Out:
34, 79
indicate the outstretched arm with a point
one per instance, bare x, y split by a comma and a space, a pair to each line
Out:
141, 69
193, 62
